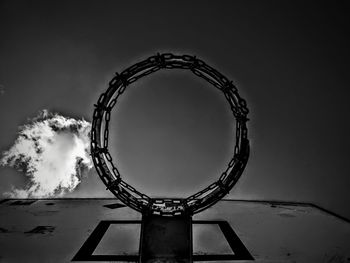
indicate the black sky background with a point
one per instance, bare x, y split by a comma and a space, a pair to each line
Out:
289, 59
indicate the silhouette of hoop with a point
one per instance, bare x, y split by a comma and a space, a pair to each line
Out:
109, 173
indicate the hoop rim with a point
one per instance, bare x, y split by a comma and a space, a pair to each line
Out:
109, 173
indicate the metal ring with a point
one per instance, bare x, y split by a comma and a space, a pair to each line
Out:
108, 172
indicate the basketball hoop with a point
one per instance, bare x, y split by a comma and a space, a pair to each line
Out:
107, 170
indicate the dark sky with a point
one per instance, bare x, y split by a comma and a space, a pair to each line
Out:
289, 59
176, 131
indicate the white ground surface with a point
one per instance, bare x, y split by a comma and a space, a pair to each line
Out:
271, 233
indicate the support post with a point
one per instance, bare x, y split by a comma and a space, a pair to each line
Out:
166, 239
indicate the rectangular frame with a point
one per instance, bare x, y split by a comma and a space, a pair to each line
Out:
85, 253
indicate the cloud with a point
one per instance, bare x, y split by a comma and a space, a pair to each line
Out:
53, 152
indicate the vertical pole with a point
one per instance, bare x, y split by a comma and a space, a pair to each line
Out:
166, 239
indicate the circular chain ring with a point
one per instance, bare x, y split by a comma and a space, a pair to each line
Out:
109, 173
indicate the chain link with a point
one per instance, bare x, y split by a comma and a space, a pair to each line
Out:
103, 160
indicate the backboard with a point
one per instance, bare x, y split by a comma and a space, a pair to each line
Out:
104, 230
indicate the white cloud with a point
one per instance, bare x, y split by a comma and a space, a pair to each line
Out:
53, 152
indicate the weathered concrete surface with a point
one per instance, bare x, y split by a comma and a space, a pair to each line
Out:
54, 231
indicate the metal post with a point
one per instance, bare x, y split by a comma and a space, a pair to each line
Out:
166, 239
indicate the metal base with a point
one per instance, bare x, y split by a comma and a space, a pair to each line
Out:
166, 239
